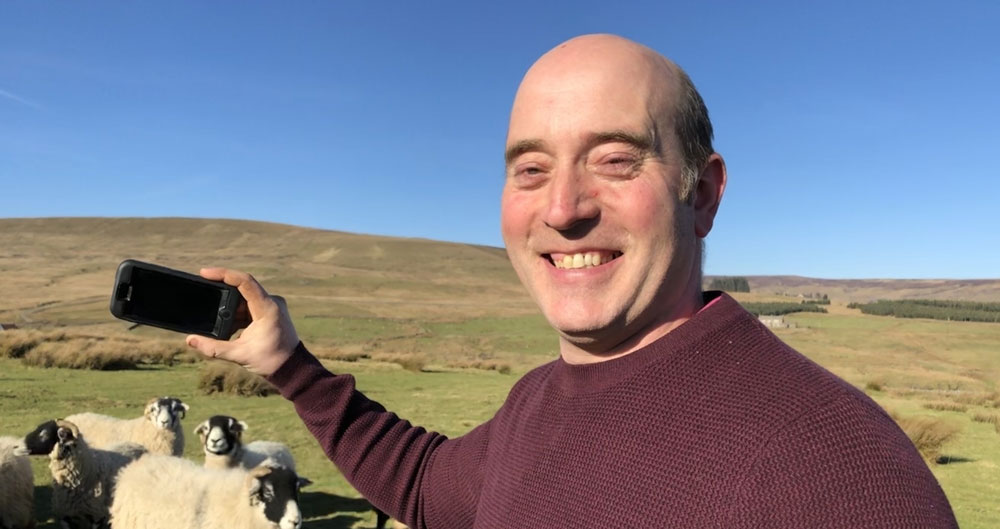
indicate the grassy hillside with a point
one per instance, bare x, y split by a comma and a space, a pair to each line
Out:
348, 293
866, 290
384, 302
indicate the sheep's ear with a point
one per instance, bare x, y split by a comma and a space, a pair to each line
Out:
64, 434
202, 428
259, 490
242, 426
181, 408
66, 431
253, 489
304, 482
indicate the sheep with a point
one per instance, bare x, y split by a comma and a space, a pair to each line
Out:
17, 486
174, 493
83, 478
222, 440
159, 429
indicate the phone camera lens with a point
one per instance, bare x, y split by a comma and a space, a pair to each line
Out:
225, 314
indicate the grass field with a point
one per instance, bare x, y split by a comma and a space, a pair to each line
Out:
449, 401
917, 363
911, 367
455, 310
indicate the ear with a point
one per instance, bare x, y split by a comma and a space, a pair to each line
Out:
241, 427
66, 431
304, 482
254, 489
202, 428
64, 434
182, 408
259, 489
708, 194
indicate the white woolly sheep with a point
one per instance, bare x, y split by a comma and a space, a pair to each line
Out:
83, 478
174, 493
222, 440
17, 486
159, 429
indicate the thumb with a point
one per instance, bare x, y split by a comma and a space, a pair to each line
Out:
210, 347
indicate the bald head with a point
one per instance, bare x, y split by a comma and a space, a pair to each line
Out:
620, 75
604, 56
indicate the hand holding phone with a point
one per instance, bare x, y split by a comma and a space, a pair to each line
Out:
267, 342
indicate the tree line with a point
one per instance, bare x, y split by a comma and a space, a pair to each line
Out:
730, 284
937, 309
779, 308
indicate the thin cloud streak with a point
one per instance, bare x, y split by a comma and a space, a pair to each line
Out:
19, 99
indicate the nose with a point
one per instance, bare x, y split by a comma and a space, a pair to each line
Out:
572, 199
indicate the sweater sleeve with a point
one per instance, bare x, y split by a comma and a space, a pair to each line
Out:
402, 469
861, 476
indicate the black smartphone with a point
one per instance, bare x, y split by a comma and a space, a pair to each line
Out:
171, 299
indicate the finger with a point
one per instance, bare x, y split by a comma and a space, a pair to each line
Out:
254, 294
209, 347
280, 301
213, 272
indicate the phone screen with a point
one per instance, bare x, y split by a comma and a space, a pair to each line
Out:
173, 300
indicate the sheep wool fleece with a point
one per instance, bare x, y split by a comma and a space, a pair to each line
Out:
717, 424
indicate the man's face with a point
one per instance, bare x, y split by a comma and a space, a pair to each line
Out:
590, 212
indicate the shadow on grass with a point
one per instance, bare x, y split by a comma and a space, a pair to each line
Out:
949, 460
43, 507
336, 512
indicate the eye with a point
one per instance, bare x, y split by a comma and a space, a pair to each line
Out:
617, 164
527, 175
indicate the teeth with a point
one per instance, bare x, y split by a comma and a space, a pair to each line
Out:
581, 260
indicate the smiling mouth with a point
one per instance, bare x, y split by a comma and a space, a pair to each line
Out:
565, 261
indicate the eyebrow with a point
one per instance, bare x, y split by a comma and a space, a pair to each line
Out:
642, 142
522, 147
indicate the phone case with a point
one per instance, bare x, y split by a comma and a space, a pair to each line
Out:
225, 316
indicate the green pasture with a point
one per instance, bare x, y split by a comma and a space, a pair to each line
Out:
451, 402
919, 362
905, 365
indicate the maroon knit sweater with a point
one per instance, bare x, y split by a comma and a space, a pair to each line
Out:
717, 424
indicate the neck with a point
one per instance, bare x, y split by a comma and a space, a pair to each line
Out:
595, 351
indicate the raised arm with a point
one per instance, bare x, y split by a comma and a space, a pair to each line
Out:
419, 477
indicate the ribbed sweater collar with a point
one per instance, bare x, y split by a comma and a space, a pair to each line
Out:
578, 379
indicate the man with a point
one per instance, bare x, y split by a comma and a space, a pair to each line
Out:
667, 407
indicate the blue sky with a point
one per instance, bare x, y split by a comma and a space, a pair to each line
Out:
861, 137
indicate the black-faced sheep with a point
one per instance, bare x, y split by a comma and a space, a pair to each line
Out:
17, 487
173, 493
83, 478
159, 428
222, 440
